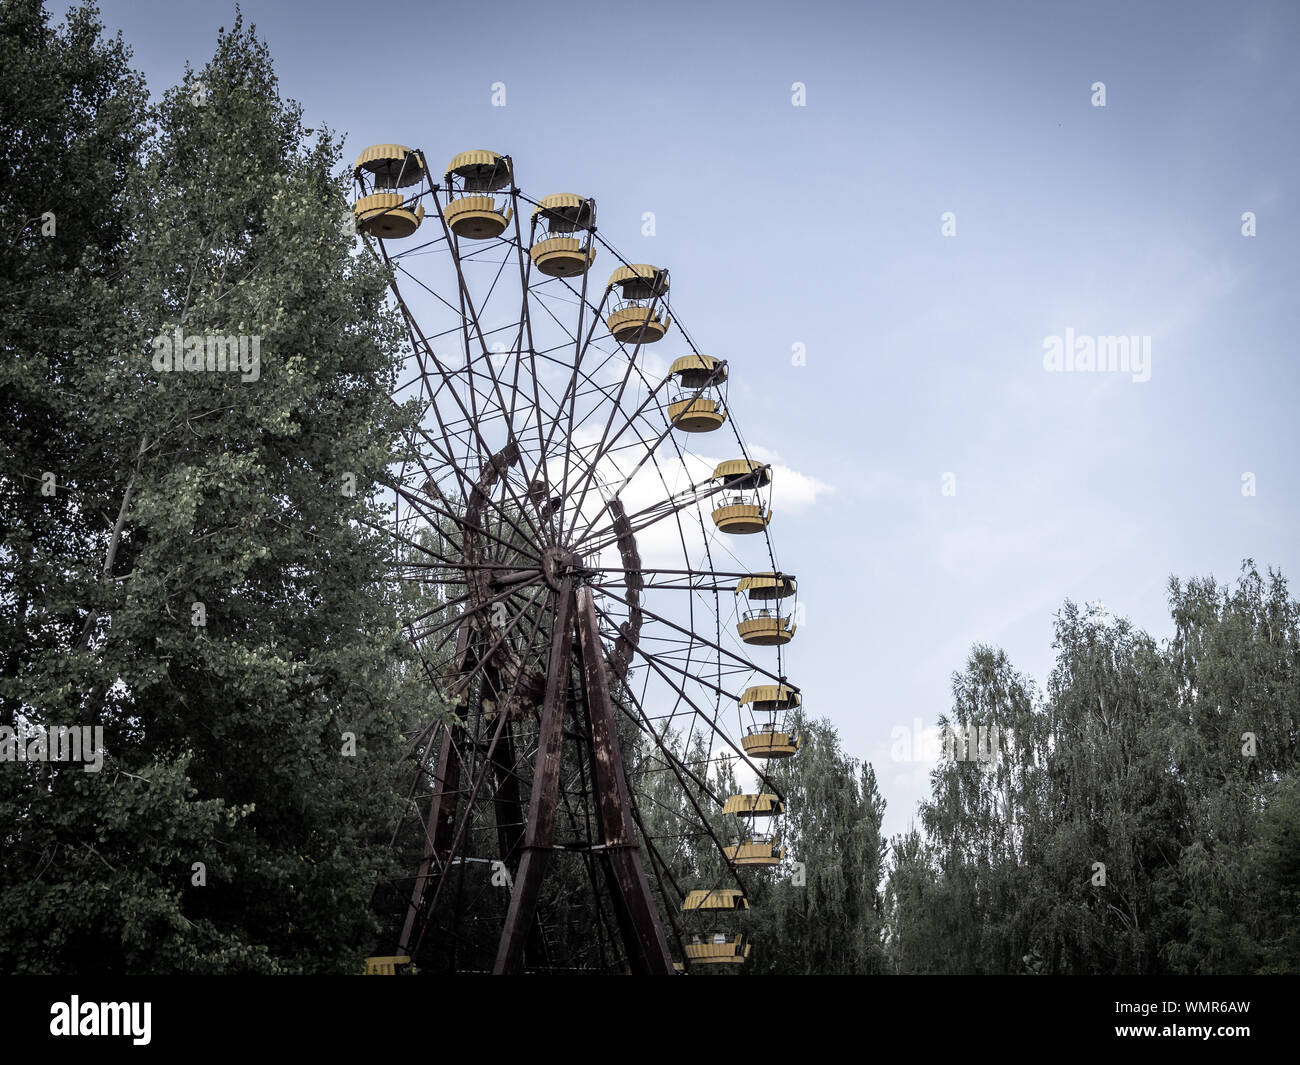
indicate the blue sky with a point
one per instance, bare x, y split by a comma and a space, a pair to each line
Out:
821, 225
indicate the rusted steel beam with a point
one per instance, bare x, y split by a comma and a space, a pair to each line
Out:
505, 802
442, 809
638, 919
437, 829
509, 812
546, 780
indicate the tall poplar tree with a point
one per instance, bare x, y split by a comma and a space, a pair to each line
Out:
236, 633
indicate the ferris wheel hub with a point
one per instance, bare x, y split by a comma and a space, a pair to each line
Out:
558, 563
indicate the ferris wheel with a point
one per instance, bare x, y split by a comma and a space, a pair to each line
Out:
595, 593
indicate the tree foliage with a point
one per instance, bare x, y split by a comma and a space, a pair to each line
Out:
1141, 816
820, 910
215, 598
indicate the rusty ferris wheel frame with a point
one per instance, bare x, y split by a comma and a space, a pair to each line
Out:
549, 441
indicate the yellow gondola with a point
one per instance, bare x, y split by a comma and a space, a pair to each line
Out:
717, 950
391, 166
385, 213
695, 411
742, 510
754, 847
559, 253
754, 850
636, 318
472, 212
765, 626
716, 899
767, 740
761, 805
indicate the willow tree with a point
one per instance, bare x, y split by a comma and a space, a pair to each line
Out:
914, 936
821, 911
1053, 840
1143, 818
1235, 662
980, 820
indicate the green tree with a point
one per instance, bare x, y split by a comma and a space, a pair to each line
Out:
820, 910
1235, 669
832, 922
1275, 865
239, 623
1173, 767
985, 798
67, 151
914, 940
